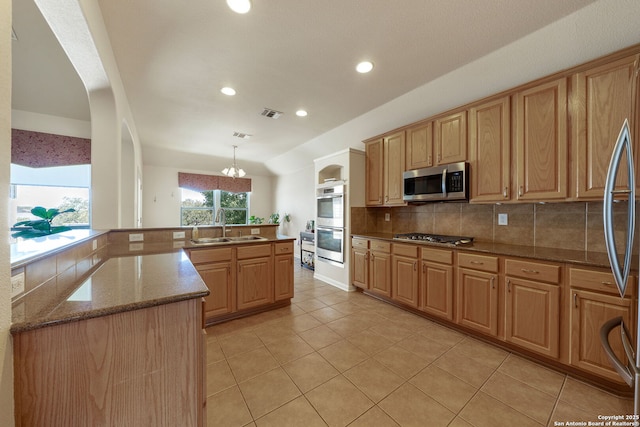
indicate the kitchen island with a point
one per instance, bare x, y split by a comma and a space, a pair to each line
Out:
110, 332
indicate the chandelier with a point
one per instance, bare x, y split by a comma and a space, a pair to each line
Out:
234, 171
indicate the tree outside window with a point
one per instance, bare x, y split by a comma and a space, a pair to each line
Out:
199, 207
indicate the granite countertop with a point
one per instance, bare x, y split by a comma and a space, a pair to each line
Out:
117, 285
132, 276
591, 259
25, 251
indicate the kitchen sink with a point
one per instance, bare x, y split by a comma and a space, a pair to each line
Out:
223, 240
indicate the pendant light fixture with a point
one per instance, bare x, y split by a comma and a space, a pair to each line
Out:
234, 171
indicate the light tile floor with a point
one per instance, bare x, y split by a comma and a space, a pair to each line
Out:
336, 358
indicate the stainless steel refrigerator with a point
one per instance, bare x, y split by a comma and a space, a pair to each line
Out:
620, 259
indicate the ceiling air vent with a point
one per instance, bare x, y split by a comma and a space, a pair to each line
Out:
271, 114
241, 135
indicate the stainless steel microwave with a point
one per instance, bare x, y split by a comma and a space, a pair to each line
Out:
439, 183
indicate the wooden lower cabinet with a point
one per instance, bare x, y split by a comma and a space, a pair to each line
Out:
135, 368
532, 315
360, 263
405, 274
283, 271
477, 301
219, 279
589, 310
436, 289
255, 282
380, 273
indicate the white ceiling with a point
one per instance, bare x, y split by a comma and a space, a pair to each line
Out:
175, 56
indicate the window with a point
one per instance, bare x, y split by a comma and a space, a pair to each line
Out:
199, 207
61, 187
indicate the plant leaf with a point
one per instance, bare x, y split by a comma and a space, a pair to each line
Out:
40, 212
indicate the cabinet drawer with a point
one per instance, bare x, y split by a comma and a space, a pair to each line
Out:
410, 251
359, 243
597, 280
437, 255
254, 251
284, 248
199, 256
478, 262
533, 270
380, 246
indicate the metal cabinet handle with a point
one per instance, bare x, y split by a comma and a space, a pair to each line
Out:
424, 268
508, 285
415, 265
524, 270
520, 191
606, 283
575, 300
493, 282
476, 262
505, 192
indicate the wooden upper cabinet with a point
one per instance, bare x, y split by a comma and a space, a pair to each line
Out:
490, 150
419, 146
374, 173
603, 98
450, 136
541, 141
393, 169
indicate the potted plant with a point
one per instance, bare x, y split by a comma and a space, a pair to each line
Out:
40, 227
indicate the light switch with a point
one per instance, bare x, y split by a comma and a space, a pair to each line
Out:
387, 217
503, 219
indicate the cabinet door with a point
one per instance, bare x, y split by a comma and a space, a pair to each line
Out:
254, 282
380, 273
541, 141
394, 169
451, 138
283, 276
604, 97
589, 310
218, 278
490, 145
359, 267
404, 280
374, 173
532, 315
419, 147
436, 290
477, 301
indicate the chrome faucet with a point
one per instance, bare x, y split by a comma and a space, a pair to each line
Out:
221, 216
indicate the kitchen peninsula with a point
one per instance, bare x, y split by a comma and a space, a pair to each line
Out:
112, 330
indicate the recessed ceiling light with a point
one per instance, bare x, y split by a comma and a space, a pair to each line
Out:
301, 113
228, 91
364, 67
239, 6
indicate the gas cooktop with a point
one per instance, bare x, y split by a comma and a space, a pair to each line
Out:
435, 238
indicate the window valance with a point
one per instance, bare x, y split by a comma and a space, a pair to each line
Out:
199, 182
41, 150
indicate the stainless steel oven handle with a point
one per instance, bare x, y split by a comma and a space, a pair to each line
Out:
332, 196
444, 182
623, 369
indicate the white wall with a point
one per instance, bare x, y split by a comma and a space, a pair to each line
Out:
162, 196
295, 195
6, 349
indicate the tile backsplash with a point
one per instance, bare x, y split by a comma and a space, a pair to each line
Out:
574, 225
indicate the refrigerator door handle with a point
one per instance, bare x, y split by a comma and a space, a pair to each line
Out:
623, 369
623, 146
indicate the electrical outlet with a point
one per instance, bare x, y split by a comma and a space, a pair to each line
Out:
139, 237
503, 219
255, 231
178, 235
136, 246
387, 217
17, 284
